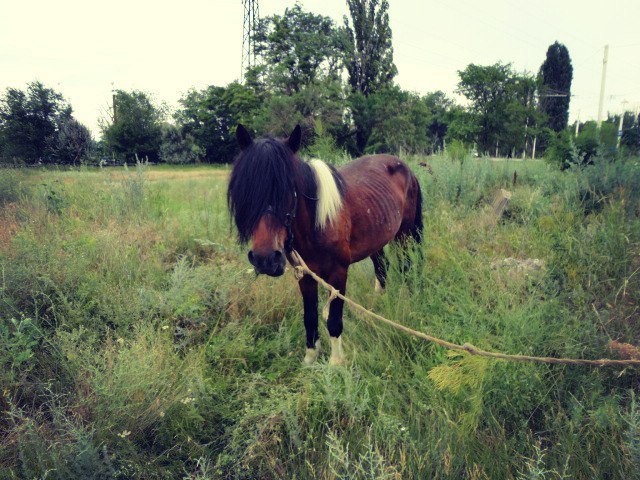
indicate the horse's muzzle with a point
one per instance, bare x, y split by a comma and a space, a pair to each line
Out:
271, 264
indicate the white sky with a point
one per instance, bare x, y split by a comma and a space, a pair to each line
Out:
81, 47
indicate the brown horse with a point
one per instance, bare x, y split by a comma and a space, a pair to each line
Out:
333, 218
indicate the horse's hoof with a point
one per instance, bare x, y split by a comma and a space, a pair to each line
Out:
312, 354
378, 287
337, 361
337, 356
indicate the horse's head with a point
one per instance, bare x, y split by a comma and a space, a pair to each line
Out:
262, 197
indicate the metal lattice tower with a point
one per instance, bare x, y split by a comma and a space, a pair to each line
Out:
251, 15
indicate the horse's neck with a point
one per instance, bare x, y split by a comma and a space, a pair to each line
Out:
304, 222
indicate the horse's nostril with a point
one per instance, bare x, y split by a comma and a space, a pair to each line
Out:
276, 257
251, 257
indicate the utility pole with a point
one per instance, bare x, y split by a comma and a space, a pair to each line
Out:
619, 132
577, 124
113, 97
620, 124
602, 82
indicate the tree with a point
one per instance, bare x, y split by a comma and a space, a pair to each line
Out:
463, 127
318, 102
368, 52
487, 88
30, 122
503, 104
73, 142
210, 116
136, 131
556, 74
630, 141
298, 48
177, 147
397, 121
368, 57
523, 120
441, 109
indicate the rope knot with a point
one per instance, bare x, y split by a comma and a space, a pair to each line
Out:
298, 272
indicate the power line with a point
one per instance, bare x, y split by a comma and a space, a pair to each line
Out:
546, 19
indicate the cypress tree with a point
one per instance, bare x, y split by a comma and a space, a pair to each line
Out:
556, 74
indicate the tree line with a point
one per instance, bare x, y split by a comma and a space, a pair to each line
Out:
338, 83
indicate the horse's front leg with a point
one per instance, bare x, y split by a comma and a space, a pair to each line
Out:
309, 289
338, 279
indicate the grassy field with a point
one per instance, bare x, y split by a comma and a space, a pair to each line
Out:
136, 343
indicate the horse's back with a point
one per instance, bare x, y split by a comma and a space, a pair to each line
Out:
378, 191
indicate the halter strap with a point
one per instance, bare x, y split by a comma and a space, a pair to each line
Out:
288, 221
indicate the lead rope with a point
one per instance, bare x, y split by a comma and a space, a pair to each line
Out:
301, 269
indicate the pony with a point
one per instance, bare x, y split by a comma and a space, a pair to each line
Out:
331, 217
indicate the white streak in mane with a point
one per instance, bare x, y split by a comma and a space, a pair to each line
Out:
329, 199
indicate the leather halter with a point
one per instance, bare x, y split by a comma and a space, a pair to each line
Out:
288, 221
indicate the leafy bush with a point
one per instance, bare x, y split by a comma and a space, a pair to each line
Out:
562, 150
135, 134
177, 149
18, 342
630, 141
324, 146
588, 145
73, 143
457, 151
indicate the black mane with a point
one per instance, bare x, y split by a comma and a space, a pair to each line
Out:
264, 178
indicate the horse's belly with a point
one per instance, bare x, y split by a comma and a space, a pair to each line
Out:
376, 195
374, 224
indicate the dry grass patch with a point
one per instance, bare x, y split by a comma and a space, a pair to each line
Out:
154, 175
8, 224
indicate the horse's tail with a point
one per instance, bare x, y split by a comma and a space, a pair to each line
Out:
416, 230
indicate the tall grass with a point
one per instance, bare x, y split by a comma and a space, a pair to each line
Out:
136, 343
12, 185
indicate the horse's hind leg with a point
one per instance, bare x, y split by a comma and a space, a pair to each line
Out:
380, 268
403, 238
412, 224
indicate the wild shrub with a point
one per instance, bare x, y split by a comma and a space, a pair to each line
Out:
562, 150
49, 444
131, 386
324, 147
457, 151
176, 148
12, 185
19, 340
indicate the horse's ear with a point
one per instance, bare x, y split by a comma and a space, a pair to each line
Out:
294, 139
243, 137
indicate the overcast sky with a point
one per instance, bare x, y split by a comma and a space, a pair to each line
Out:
81, 48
